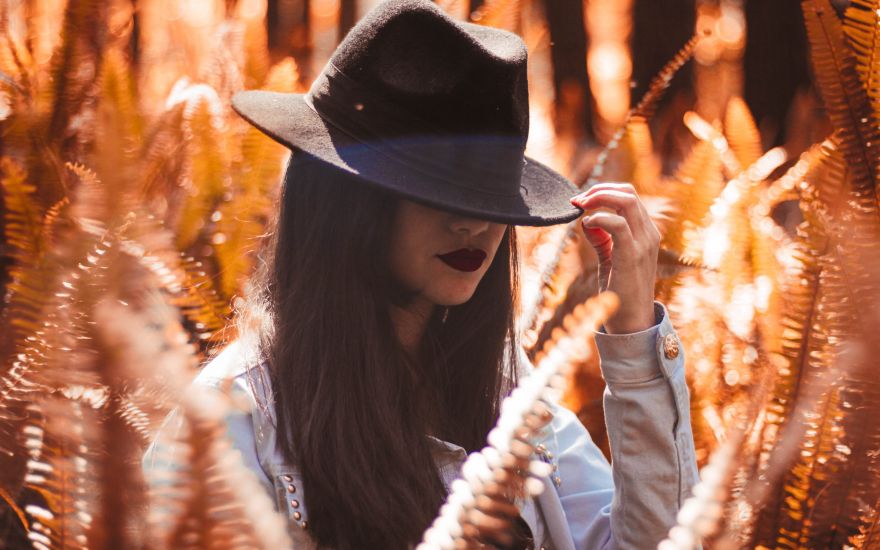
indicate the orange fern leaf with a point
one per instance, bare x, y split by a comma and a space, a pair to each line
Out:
742, 132
845, 100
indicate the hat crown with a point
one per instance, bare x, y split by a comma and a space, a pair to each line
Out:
442, 76
429, 108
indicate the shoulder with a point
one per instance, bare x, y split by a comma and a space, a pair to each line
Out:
241, 374
230, 363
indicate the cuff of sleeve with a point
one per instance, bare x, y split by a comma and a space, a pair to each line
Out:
640, 356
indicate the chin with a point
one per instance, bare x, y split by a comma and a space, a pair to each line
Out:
453, 298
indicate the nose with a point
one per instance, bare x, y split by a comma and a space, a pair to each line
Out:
473, 226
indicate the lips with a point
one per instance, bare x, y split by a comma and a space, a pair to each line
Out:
464, 259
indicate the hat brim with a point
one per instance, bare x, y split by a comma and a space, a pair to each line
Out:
543, 197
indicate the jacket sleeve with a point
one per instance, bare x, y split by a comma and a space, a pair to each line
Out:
653, 465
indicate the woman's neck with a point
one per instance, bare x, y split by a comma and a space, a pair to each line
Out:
410, 322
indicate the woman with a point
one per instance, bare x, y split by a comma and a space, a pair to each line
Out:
384, 311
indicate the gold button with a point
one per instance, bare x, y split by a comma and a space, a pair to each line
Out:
287, 478
294, 503
296, 516
291, 488
670, 346
305, 525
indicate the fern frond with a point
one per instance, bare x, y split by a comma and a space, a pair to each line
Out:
707, 132
18, 389
201, 494
660, 83
841, 89
81, 47
696, 184
55, 472
742, 132
90, 205
860, 23
542, 289
646, 168
256, 58
161, 164
23, 224
809, 306
243, 217
206, 178
223, 70
203, 304
183, 278
119, 131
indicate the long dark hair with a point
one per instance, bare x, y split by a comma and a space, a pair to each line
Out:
353, 408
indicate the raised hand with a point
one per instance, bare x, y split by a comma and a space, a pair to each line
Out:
627, 243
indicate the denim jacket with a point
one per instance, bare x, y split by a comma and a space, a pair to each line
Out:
587, 503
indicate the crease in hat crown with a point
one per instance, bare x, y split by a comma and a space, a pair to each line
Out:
414, 54
432, 108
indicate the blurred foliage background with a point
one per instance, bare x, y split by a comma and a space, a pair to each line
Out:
134, 201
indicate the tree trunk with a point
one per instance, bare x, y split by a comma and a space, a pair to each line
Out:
347, 15
776, 64
289, 33
574, 102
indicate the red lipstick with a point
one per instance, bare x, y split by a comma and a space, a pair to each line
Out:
464, 259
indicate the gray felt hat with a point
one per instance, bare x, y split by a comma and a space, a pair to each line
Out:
431, 108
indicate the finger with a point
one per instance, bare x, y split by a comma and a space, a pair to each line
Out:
624, 203
622, 241
600, 240
605, 185
620, 187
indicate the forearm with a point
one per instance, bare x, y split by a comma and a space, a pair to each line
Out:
647, 414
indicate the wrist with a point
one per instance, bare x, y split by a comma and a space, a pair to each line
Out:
626, 323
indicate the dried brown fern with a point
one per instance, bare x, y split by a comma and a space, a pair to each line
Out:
692, 189
840, 86
645, 172
22, 228
859, 25
819, 502
244, 215
705, 131
741, 132
206, 175
201, 495
76, 65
